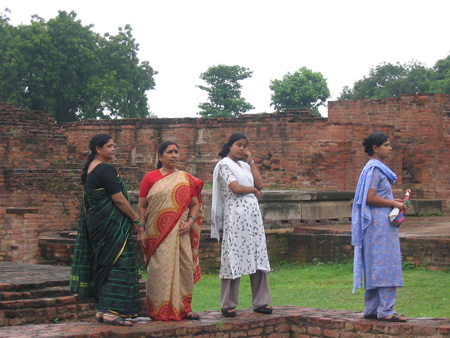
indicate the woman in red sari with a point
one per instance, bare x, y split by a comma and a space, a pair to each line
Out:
171, 210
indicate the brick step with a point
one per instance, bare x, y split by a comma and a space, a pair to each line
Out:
69, 238
55, 310
48, 305
68, 234
57, 250
37, 303
39, 297
48, 292
6, 287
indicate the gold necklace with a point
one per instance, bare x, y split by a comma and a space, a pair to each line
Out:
164, 173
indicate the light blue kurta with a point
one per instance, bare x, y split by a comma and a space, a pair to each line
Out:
377, 258
381, 244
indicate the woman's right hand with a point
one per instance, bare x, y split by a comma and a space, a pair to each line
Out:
184, 228
400, 205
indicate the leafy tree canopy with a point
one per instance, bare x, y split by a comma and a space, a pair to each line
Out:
64, 68
441, 77
224, 91
389, 80
303, 89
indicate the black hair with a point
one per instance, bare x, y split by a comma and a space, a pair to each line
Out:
98, 140
161, 149
233, 138
374, 139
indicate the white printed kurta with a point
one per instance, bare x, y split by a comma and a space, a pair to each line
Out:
244, 242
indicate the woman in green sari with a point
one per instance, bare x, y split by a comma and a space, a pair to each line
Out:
104, 263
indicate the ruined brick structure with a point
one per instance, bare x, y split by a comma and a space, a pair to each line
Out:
293, 150
40, 161
422, 123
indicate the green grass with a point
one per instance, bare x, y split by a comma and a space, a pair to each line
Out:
426, 293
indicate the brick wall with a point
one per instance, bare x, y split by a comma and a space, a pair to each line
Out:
296, 149
40, 161
37, 166
38, 171
19, 229
292, 149
422, 123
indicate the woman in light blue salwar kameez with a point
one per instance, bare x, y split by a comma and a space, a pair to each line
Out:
377, 257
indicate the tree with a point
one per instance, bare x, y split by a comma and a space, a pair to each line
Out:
388, 80
303, 89
441, 78
224, 91
64, 68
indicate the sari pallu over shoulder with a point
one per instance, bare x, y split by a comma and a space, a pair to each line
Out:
217, 204
102, 234
81, 282
167, 201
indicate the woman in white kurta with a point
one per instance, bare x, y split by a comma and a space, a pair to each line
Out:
236, 190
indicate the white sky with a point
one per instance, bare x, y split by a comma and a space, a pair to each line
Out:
182, 38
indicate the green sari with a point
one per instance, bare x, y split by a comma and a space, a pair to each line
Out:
104, 264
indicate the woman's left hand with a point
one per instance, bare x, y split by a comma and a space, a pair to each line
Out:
184, 228
247, 155
141, 237
259, 194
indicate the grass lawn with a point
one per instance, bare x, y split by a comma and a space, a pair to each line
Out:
426, 293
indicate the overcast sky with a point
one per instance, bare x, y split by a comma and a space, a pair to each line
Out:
181, 39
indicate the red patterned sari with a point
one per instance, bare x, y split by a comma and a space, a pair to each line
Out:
172, 260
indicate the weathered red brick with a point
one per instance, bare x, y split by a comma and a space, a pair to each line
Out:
331, 333
314, 330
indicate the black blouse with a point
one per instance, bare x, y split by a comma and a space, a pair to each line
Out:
104, 175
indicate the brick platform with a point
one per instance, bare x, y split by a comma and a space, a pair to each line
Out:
285, 322
47, 299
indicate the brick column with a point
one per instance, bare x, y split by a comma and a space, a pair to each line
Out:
19, 235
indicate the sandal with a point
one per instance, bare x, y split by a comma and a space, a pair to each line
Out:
192, 316
112, 319
229, 312
395, 317
266, 309
374, 316
99, 316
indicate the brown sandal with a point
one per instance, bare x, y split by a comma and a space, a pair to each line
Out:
395, 317
265, 309
192, 316
99, 316
229, 312
112, 319
373, 316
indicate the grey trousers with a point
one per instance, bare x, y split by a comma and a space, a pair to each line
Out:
229, 290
